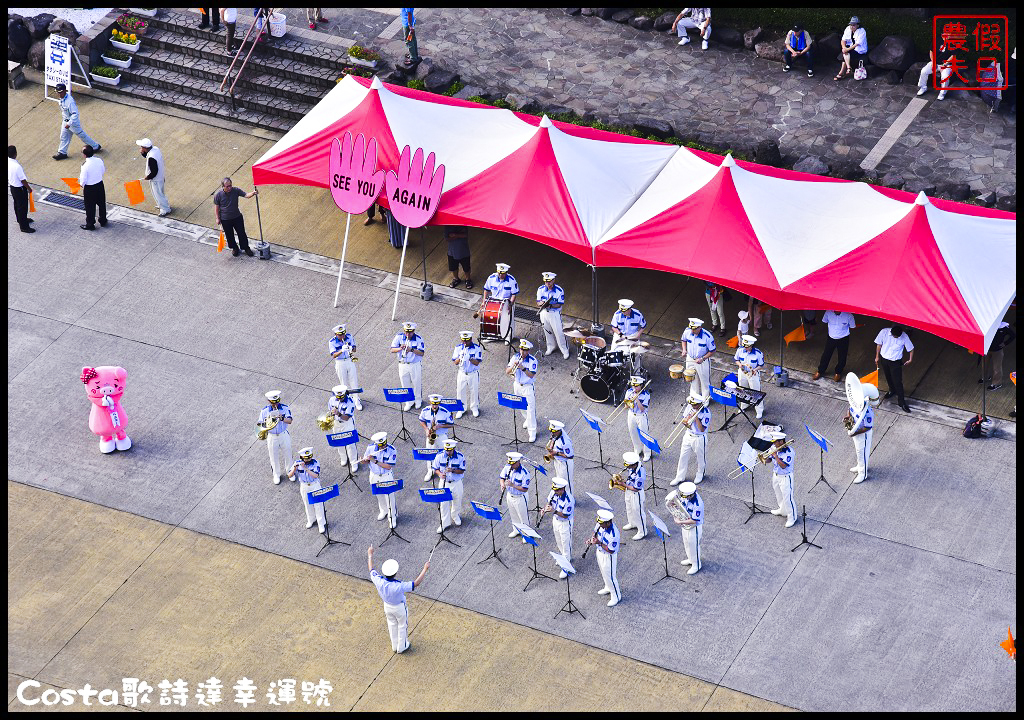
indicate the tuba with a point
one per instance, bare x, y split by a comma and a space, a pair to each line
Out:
263, 429
848, 422
676, 509
326, 422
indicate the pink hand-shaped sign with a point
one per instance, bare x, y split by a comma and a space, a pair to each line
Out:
414, 192
354, 180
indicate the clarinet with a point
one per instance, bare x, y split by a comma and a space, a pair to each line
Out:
587, 548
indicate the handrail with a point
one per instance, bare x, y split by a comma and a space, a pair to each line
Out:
241, 69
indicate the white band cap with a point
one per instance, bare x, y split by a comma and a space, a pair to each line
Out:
525, 344
273, 395
409, 326
513, 457
389, 568
502, 267
380, 437
687, 488
339, 389
625, 304
548, 276
450, 444
466, 334
555, 425
749, 340
605, 515
630, 458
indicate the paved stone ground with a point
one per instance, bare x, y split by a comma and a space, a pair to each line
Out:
724, 95
902, 608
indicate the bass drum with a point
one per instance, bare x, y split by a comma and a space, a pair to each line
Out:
496, 320
605, 384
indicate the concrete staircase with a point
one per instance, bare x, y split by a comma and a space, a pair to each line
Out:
181, 65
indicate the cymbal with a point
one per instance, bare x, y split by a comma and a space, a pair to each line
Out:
574, 334
638, 350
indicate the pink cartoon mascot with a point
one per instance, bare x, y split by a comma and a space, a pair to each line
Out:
105, 385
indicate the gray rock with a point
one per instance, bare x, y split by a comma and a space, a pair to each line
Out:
893, 179
649, 125
572, 11
811, 164
917, 185
988, 199
767, 153
895, 52
827, 47
588, 12
957, 191
752, 37
395, 77
727, 36
606, 13
847, 170
913, 73
770, 50
664, 21
19, 40
550, 110
1007, 203
469, 91
892, 77
623, 16
39, 25
63, 27
522, 102
37, 54
425, 67
641, 22
440, 80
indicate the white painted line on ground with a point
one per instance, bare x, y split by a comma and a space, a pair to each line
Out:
895, 131
391, 30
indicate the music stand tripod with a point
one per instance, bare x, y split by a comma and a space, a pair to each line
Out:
342, 440
595, 424
803, 533
570, 607
439, 496
389, 487
821, 457
536, 487
322, 496
652, 444
491, 514
401, 395
664, 549
513, 402
531, 538
754, 509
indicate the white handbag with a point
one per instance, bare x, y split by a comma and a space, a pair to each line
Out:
861, 73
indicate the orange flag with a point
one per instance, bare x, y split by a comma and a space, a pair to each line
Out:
733, 341
32, 206
1009, 645
871, 378
797, 335
221, 243
73, 184
1013, 377
134, 190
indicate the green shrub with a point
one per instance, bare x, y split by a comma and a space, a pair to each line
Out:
362, 53
106, 71
456, 86
416, 84
115, 54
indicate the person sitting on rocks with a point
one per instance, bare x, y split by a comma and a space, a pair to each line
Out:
798, 45
699, 19
990, 79
853, 46
945, 71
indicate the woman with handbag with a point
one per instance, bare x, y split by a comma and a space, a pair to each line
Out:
853, 46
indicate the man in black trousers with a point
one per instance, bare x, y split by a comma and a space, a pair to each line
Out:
91, 180
19, 189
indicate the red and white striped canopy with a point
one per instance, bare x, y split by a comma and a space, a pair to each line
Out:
794, 240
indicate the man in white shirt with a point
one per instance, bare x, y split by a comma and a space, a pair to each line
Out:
20, 189
699, 19
853, 46
392, 592
889, 346
91, 180
839, 326
155, 174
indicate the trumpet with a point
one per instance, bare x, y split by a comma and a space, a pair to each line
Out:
263, 429
616, 481
549, 451
512, 370
764, 457
326, 422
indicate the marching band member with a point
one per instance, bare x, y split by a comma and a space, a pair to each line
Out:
782, 478
502, 286
436, 421
515, 483
392, 592
550, 299
343, 407
627, 325
742, 327
467, 357
686, 499
308, 471
279, 442
561, 452
409, 347
749, 361
698, 345
635, 496
606, 537
561, 506
695, 441
523, 367
863, 419
341, 347
382, 459
449, 467
637, 401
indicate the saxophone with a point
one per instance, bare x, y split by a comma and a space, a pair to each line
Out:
549, 449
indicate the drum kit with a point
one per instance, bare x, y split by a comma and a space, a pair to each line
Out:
604, 374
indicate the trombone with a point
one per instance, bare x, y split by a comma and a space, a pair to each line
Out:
682, 422
762, 457
626, 403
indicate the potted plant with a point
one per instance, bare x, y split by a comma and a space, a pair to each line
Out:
148, 12
358, 55
117, 58
132, 25
106, 75
124, 41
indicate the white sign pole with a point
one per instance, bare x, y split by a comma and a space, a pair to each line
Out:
401, 266
344, 247
58, 62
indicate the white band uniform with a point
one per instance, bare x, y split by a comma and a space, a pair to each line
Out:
451, 512
467, 385
279, 442
551, 319
699, 343
387, 504
306, 482
344, 366
410, 367
695, 444
636, 419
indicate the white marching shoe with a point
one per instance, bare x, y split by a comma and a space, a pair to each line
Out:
778, 511
791, 523
323, 529
640, 536
382, 515
675, 482
309, 524
513, 533
604, 591
562, 575
859, 479
476, 413
693, 570
629, 527
685, 562
613, 603
459, 414
277, 480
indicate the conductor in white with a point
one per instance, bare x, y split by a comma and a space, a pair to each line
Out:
550, 299
392, 592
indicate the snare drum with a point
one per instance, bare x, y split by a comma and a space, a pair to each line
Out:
496, 320
590, 357
616, 358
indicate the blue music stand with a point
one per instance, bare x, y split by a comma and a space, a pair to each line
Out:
455, 406
344, 439
655, 448
822, 442
663, 534
389, 487
491, 514
321, 496
401, 395
531, 537
513, 402
727, 399
438, 496
536, 488
595, 424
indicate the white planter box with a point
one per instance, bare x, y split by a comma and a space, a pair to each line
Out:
139, 11
371, 64
123, 64
125, 46
106, 80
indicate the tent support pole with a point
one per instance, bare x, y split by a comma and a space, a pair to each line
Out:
341, 268
259, 218
984, 385
593, 276
401, 267
782, 341
423, 246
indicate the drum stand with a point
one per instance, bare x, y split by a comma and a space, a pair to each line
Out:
754, 509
